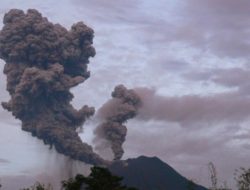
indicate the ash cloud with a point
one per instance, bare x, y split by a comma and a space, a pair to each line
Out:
123, 106
191, 109
43, 61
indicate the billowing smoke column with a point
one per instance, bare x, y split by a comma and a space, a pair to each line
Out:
123, 106
43, 61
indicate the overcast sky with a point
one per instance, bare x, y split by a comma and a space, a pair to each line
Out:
191, 59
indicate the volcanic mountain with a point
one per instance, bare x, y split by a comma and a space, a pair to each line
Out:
150, 173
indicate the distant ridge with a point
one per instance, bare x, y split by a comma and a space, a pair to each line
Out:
150, 173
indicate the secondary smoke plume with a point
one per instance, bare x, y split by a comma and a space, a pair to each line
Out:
123, 106
190, 109
43, 61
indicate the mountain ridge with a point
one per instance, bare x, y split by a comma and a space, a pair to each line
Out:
151, 173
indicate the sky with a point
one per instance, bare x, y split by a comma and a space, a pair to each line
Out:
189, 57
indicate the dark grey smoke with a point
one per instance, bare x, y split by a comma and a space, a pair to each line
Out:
43, 61
123, 106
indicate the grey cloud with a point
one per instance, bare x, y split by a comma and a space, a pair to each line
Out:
115, 11
222, 25
198, 75
2, 160
190, 109
236, 77
166, 64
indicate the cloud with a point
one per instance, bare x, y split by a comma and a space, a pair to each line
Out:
4, 161
191, 109
220, 27
235, 78
189, 150
111, 11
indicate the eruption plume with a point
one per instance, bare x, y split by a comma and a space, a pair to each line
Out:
188, 110
123, 106
43, 61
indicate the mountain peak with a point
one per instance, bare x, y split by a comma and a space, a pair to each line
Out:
149, 173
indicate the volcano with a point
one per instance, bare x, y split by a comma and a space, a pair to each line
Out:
151, 173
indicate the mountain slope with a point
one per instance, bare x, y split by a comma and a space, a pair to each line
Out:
150, 173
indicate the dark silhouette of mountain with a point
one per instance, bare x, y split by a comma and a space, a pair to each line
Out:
150, 173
